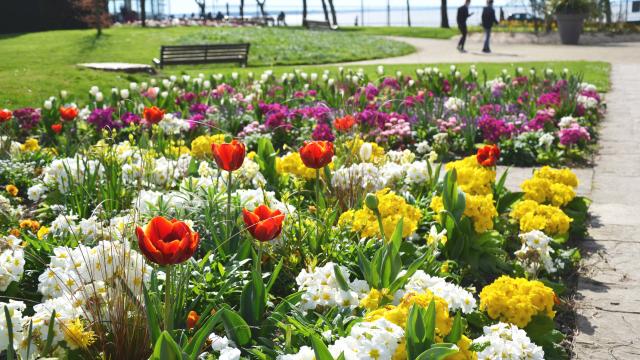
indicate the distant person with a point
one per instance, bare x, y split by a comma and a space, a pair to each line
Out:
488, 20
501, 14
356, 21
463, 15
219, 16
281, 18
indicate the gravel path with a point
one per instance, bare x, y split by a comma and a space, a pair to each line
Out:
608, 294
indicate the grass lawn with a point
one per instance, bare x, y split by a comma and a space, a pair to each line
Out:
35, 65
415, 31
38, 65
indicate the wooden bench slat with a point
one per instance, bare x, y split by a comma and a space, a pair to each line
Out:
203, 53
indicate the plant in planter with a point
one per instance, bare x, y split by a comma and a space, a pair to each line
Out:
570, 15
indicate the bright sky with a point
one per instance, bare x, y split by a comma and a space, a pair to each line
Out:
189, 6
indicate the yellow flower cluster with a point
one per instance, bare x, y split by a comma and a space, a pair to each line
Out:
392, 208
399, 314
472, 177
354, 145
480, 208
551, 186
547, 218
201, 146
76, 336
12, 190
292, 164
517, 300
30, 145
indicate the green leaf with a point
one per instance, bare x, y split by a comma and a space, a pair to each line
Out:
47, 345
10, 351
320, 349
507, 200
237, 329
416, 332
274, 275
253, 299
456, 330
342, 282
152, 314
429, 319
438, 352
396, 237
166, 348
194, 346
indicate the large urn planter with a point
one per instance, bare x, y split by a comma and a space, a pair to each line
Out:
570, 27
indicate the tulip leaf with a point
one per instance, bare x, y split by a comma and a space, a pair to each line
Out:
10, 351
47, 345
439, 352
342, 282
456, 330
195, 344
152, 315
166, 348
253, 299
274, 275
320, 349
237, 329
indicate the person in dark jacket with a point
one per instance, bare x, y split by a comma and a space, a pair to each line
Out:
463, 15
488, 20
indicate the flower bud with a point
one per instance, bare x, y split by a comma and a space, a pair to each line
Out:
371, 200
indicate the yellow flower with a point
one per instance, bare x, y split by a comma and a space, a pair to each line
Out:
480, 208
176, 151
201, 146
292, 164
472, 177
373, 300
544, 191
30, 224
392, 208
354, 146
463, 350
547, 218
517, 300
42, 232
12, 190
561, 176
30, 145
77, 336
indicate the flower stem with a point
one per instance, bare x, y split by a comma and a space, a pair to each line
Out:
317, 186
229, 222
168, 306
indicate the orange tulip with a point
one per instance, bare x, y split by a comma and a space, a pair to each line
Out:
316, 154
263, 223
167, 242
344, 124
488, 155
68, 113
153, 115
5, 115
229, 156
192, 319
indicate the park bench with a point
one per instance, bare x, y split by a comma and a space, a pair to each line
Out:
203, 54
318, 25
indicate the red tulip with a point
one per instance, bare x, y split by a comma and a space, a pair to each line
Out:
316, 154
5, 115
229, 156
263, 223
344, 124
153, 115
56, 128
167, 242
68, 113
488, 155
192, 319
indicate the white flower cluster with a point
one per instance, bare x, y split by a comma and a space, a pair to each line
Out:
170, 124
224, 346
252, 198
37, 192
249, 174
454, 104
74, 273
11, 261
587, 102
365, 176
507, 342
536, 252
64, 173
321, 288
546, 140
147, 200
15, 313
457, 297
567, 122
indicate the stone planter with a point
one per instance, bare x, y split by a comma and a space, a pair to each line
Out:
570, 27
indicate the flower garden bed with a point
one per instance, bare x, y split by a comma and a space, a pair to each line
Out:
300, 217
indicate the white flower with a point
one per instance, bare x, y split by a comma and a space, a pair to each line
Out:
36, 192
321, 289
546, 140
218, 342
506, 341
11, 261
365, 151
454, 104
457, 297
229, 353
423, 147
567, 122
535, 252
47, 104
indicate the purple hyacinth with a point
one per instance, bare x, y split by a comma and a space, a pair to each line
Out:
103, 118
27, 118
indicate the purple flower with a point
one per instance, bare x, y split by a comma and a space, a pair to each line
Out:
129, 118
494, 129
542, 118
573, 135
103, 118
322, 132
198, 108
27, 117
549, 99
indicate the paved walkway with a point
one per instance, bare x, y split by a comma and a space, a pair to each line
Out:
608, 294
444, 51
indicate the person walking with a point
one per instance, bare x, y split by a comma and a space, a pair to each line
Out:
461, 18
488, 20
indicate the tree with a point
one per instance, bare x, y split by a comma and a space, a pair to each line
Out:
202, 4
143, 13
408, 14
261, 6
241, 9
326, 13
444, 17
93, 13
333, 13
304, 12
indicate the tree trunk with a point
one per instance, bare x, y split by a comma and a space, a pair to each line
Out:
261, 5
333, 13
408, 14
444, 17
607, 10
326, 13
241, 9
143, 13
304, 12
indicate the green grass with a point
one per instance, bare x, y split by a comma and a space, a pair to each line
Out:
417, 32
36, 65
